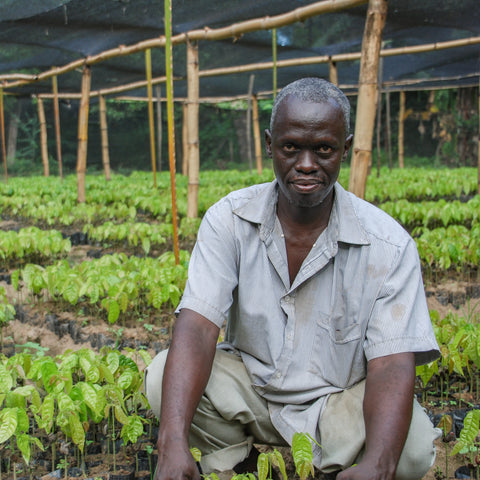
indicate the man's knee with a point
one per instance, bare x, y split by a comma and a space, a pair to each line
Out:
419, 452
153, 381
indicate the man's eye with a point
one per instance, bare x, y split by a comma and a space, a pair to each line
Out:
324, 149
289, 147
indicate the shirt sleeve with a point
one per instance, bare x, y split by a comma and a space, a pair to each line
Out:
400, 320
212, 271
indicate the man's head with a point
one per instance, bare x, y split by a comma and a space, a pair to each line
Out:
308, 139
315, 90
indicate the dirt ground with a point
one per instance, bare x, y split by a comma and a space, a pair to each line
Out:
42, 325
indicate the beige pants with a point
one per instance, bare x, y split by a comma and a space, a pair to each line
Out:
231, 416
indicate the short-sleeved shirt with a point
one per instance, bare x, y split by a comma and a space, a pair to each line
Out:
358, 295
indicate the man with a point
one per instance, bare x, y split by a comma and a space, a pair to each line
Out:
325, 316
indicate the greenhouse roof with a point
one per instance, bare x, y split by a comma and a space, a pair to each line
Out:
38, 35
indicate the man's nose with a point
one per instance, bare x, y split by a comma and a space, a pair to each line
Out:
306, 161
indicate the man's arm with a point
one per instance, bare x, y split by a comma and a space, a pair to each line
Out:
387, 409
186, 375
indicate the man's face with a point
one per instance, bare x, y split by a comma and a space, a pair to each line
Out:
307, 145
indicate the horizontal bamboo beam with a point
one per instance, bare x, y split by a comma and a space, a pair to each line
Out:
235, 30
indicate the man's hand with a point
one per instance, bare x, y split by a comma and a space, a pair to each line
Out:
175, 462
387, 408
186, 374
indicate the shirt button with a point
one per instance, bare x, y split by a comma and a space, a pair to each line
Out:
278, 375
287, 298
289, 336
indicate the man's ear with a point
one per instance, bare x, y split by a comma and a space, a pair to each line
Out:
268, 142
348, 145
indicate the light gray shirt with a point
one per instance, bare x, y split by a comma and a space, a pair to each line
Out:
358, 295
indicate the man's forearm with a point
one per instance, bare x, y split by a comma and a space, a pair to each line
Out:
387, 407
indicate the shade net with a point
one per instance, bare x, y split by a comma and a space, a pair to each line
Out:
35, 36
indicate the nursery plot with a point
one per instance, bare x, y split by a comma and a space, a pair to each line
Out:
102, 277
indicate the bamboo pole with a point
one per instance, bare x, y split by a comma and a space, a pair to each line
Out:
2, 133
104, 137
185, 138
43, 137
192, 130
388, 130
151, 123
367, 96
401, 121
58, 138
333, 72
249, 122
158, 91
256, 134
83, 134
232, 31
274, 58
379, 115
170, 121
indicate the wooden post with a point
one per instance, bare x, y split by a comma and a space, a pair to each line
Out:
479, 138
333, 72
274, 58
256, 134
56, 113
151, 123
388, 137
158, 91
379, 115
83, 134
2, 134
104, 137
401, 120
185, 138
249, 122
170, 122
367, 96
192, 130
43, 136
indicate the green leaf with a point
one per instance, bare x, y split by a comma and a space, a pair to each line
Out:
263, 466
302, 455
8, 423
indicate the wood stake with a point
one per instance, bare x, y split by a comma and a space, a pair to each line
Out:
185, 138
367, 96
151, 123
249, 122
83, 134
274, 58
192, 129
2, 133
158, 91
389, 130
170, 121
43, 137
333, 72
104, 136
58, 139
401, 122
256, 135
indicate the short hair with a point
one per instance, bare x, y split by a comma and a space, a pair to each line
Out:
313, 90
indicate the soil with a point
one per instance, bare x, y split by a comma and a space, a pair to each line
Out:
42, 325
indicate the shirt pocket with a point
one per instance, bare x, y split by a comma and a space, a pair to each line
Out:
337, 352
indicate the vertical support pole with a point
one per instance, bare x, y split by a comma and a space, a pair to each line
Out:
2, 134
158, 91
249, 122
58, 138
151, 123
379, 115
479, 137
104, 137
43, 136
170, 121
401, 130
185, 138
192, 130
333, 72
83, 134
388, 137
274, 58
367, 96
256, 134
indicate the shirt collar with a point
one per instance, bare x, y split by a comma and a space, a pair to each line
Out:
344, 223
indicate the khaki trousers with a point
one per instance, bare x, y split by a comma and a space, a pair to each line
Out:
231, 417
